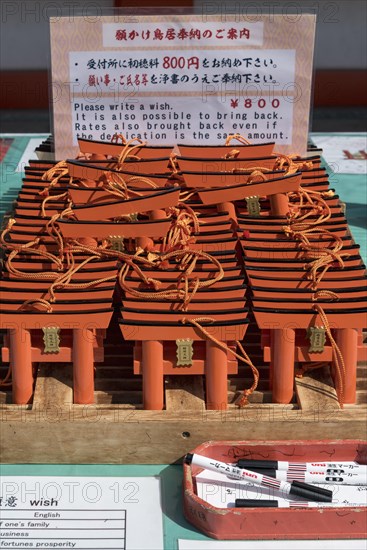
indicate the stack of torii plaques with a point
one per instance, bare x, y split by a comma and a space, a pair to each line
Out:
206, 223
66, 325
278, 267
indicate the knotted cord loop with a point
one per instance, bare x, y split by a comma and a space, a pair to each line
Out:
243, 401
54, 174
182, 226
337, 355
173, 164
285, 162
37, 301
4, 382
51, 198
233, 154
126, 153
256, 175
237, 137
5, 231
188, 262
300, 227
324, 295
115, 138
253, 171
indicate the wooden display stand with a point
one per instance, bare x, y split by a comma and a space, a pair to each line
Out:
53, 430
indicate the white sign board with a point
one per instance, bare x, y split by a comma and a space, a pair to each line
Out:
172, 79
81, 512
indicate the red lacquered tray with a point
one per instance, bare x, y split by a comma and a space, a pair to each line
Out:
276, 523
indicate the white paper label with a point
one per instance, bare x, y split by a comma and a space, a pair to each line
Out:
80, 512
107, 95
171, 120
192, 35
182, 78
204, 72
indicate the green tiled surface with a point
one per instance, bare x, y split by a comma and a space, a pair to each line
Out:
10, 181
352, 189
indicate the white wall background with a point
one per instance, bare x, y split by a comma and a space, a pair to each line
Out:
340, 42
24, 31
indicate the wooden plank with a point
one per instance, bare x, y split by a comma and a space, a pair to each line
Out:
55, 431
104, 437
5, 397
184, 392
129, 399
54, 386
316, 390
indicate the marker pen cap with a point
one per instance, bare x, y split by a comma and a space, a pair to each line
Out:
188, 458
309, 492
255, 503
262, 464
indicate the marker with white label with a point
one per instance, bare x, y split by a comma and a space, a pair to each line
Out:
325, 476
301, 466
297, 488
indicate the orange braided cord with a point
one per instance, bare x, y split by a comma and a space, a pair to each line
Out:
27, 248
116, 137
5, 231
186, 195
300, 228
324, 263
337, 355
118, 186
169, 294
232, 154
126, 153
242, 357
190, 286
37, 301
51, 198
244, 399
173, 165
4, 382
133, 180
180, 231
285, 162
257, 175
302, 164
93, 283
54, 231
313, 202
250, 169
64, 278
196, 255
60, 280
45, 275
325, 295
237, 137
55, 173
